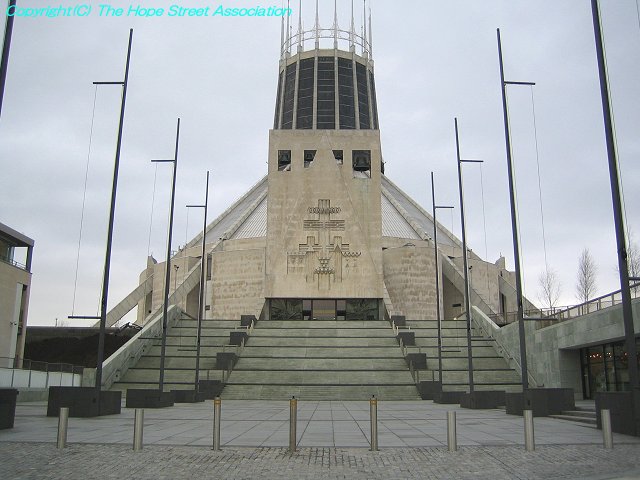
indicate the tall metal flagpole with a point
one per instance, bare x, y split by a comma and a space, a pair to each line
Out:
514, 221
112, 211
435, 244
167, 274
201, 302
614, 176
467, 290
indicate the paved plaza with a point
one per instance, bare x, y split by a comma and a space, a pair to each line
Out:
333, 442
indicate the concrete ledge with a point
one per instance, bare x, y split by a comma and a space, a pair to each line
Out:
624, 408
83, 401
235, 338
245, 320
187, 396
419, 360
210, 389
484, 399
8, 397
541, 401
447, 397
146, 398
226, 360
407, 337
428, 390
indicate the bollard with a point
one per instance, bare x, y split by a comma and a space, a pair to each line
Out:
293, 423
63, 423
452, 436
529, 437
373, 414
217, 409
138, 429
607, 436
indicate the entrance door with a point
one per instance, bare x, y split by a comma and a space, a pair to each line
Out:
324, 310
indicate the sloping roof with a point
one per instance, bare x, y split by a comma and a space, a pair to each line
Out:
401, 217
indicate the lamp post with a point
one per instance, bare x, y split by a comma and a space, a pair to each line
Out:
435, 245
467, 290
201, 294
514, 221
167, 276
614, 177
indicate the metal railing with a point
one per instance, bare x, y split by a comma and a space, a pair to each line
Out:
12, 262
561, 314
35, 374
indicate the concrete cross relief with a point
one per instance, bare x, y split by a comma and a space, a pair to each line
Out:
323, 259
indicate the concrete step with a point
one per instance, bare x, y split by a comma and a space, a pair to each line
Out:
576, 418
258, 363
322, 333
285, 377
482, 363
363, 341
312, 324
188, 361
321, 392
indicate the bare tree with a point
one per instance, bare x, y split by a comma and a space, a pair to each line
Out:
549, 288
586, 284
633, 259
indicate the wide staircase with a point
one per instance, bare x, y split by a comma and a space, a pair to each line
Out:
491, 371
321, 360
180, 356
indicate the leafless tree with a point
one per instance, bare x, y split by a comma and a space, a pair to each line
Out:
586, 284
633, 259
549, 288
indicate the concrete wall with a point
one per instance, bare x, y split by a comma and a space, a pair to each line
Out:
553, 353
12, 280
238, 283
324, 224
409, 274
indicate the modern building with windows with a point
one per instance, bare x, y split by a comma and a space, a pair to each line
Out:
16, 253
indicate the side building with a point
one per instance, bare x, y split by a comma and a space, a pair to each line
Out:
16, 253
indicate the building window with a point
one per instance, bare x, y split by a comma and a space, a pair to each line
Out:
304, 115
209, 266
309, 156
339, 156
605, 368
289, 96
284, 160
346, 95
361, 160
326, 106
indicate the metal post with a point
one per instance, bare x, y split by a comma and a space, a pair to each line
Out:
452, 436
293, 422
607, 435
217, 411
138, 429
63, 424
514, 220
167, 275
373, 414
201, 301
112, 211
614, 177
529, 438
467, 293
4, 63
435, 247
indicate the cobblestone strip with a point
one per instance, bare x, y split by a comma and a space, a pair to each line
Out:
36, 461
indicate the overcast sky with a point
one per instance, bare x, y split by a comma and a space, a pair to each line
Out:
434, 60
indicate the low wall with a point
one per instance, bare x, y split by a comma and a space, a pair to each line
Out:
553, 352
129, 354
